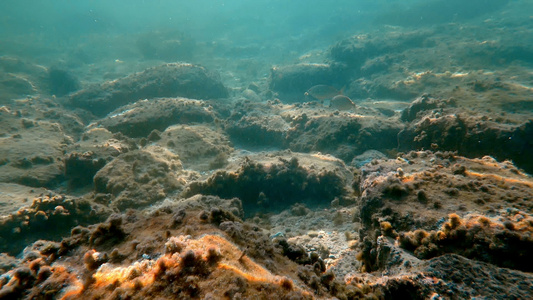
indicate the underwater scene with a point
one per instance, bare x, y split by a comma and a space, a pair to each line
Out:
266, 149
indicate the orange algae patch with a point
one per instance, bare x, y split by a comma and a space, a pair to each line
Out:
144, 272
325, 157
500, 178
253, 272
408, 178
74, 289
234, 260
123, 276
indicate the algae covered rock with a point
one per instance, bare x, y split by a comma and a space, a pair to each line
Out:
140, 118
471, 134
168, 80
97, 147
199, 147
31, 152
48, 217
275, 181
141, 177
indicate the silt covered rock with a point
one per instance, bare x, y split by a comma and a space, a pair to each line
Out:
169, 80
274, 181
140, 177
140, 118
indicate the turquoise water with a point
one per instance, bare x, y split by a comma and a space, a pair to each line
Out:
103, 29
75, 34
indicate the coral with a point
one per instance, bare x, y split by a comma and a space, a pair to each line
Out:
387, 230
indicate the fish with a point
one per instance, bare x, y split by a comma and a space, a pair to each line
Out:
322, 92
341, 102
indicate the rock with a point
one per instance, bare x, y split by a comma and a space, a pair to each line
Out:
169, 80
31, 155
7, 263
20, 78
253, 124
80, 168
354, 51
367, 157
14, 196
275, 181
310, 127
14, 86
423, 103
62, 82
141, 177
48, 217
199, 147
344, 135
251, 95
448, 276
312, 233
471, 134
390, 194
144, 116
96, 148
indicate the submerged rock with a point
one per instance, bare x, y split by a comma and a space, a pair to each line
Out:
140, 118
438, 203
141, 177
47, 217
31, 151
20, 78
275, 181
471, 134
97, 147
199, 147
311, 127
169, 80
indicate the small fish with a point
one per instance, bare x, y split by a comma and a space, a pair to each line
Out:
341, 102
322, 92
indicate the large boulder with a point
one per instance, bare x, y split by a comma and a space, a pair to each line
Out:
168, 80
273, 181
140, 118
139, 178
31, 151
199, 147
471, 134
94, 150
